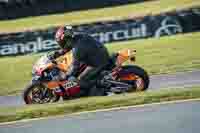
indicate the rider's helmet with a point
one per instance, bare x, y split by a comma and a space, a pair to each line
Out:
64, 36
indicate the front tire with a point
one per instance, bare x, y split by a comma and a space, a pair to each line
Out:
34, 94
140, 76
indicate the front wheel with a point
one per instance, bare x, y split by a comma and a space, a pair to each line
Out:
38, 94
136, 76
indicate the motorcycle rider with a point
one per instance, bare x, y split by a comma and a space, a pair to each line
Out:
85, 49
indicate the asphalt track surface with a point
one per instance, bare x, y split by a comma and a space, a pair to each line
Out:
178, 80
181, 117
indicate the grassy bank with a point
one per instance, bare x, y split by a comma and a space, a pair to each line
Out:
93, 103
164, 55
113, 13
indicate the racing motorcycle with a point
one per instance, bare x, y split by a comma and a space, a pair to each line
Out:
48, 82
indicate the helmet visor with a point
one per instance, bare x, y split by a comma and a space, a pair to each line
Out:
66, 43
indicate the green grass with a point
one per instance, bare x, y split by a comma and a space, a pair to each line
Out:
165, 55
120, 12
93, 103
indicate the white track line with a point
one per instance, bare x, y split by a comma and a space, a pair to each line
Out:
100, 110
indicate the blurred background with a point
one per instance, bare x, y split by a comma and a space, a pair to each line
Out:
12, 9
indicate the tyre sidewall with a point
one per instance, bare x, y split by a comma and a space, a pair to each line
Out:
128, 69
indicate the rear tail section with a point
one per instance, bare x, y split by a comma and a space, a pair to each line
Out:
126, 55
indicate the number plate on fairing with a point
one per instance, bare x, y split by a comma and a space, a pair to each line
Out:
69, 84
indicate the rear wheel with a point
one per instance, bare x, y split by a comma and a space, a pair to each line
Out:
136, 76
38, 94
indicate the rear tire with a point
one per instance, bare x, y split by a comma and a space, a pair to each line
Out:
29, 90
142, 76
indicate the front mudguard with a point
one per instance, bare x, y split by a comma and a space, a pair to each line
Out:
36, 80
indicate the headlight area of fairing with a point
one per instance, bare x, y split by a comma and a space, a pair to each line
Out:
47, 75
